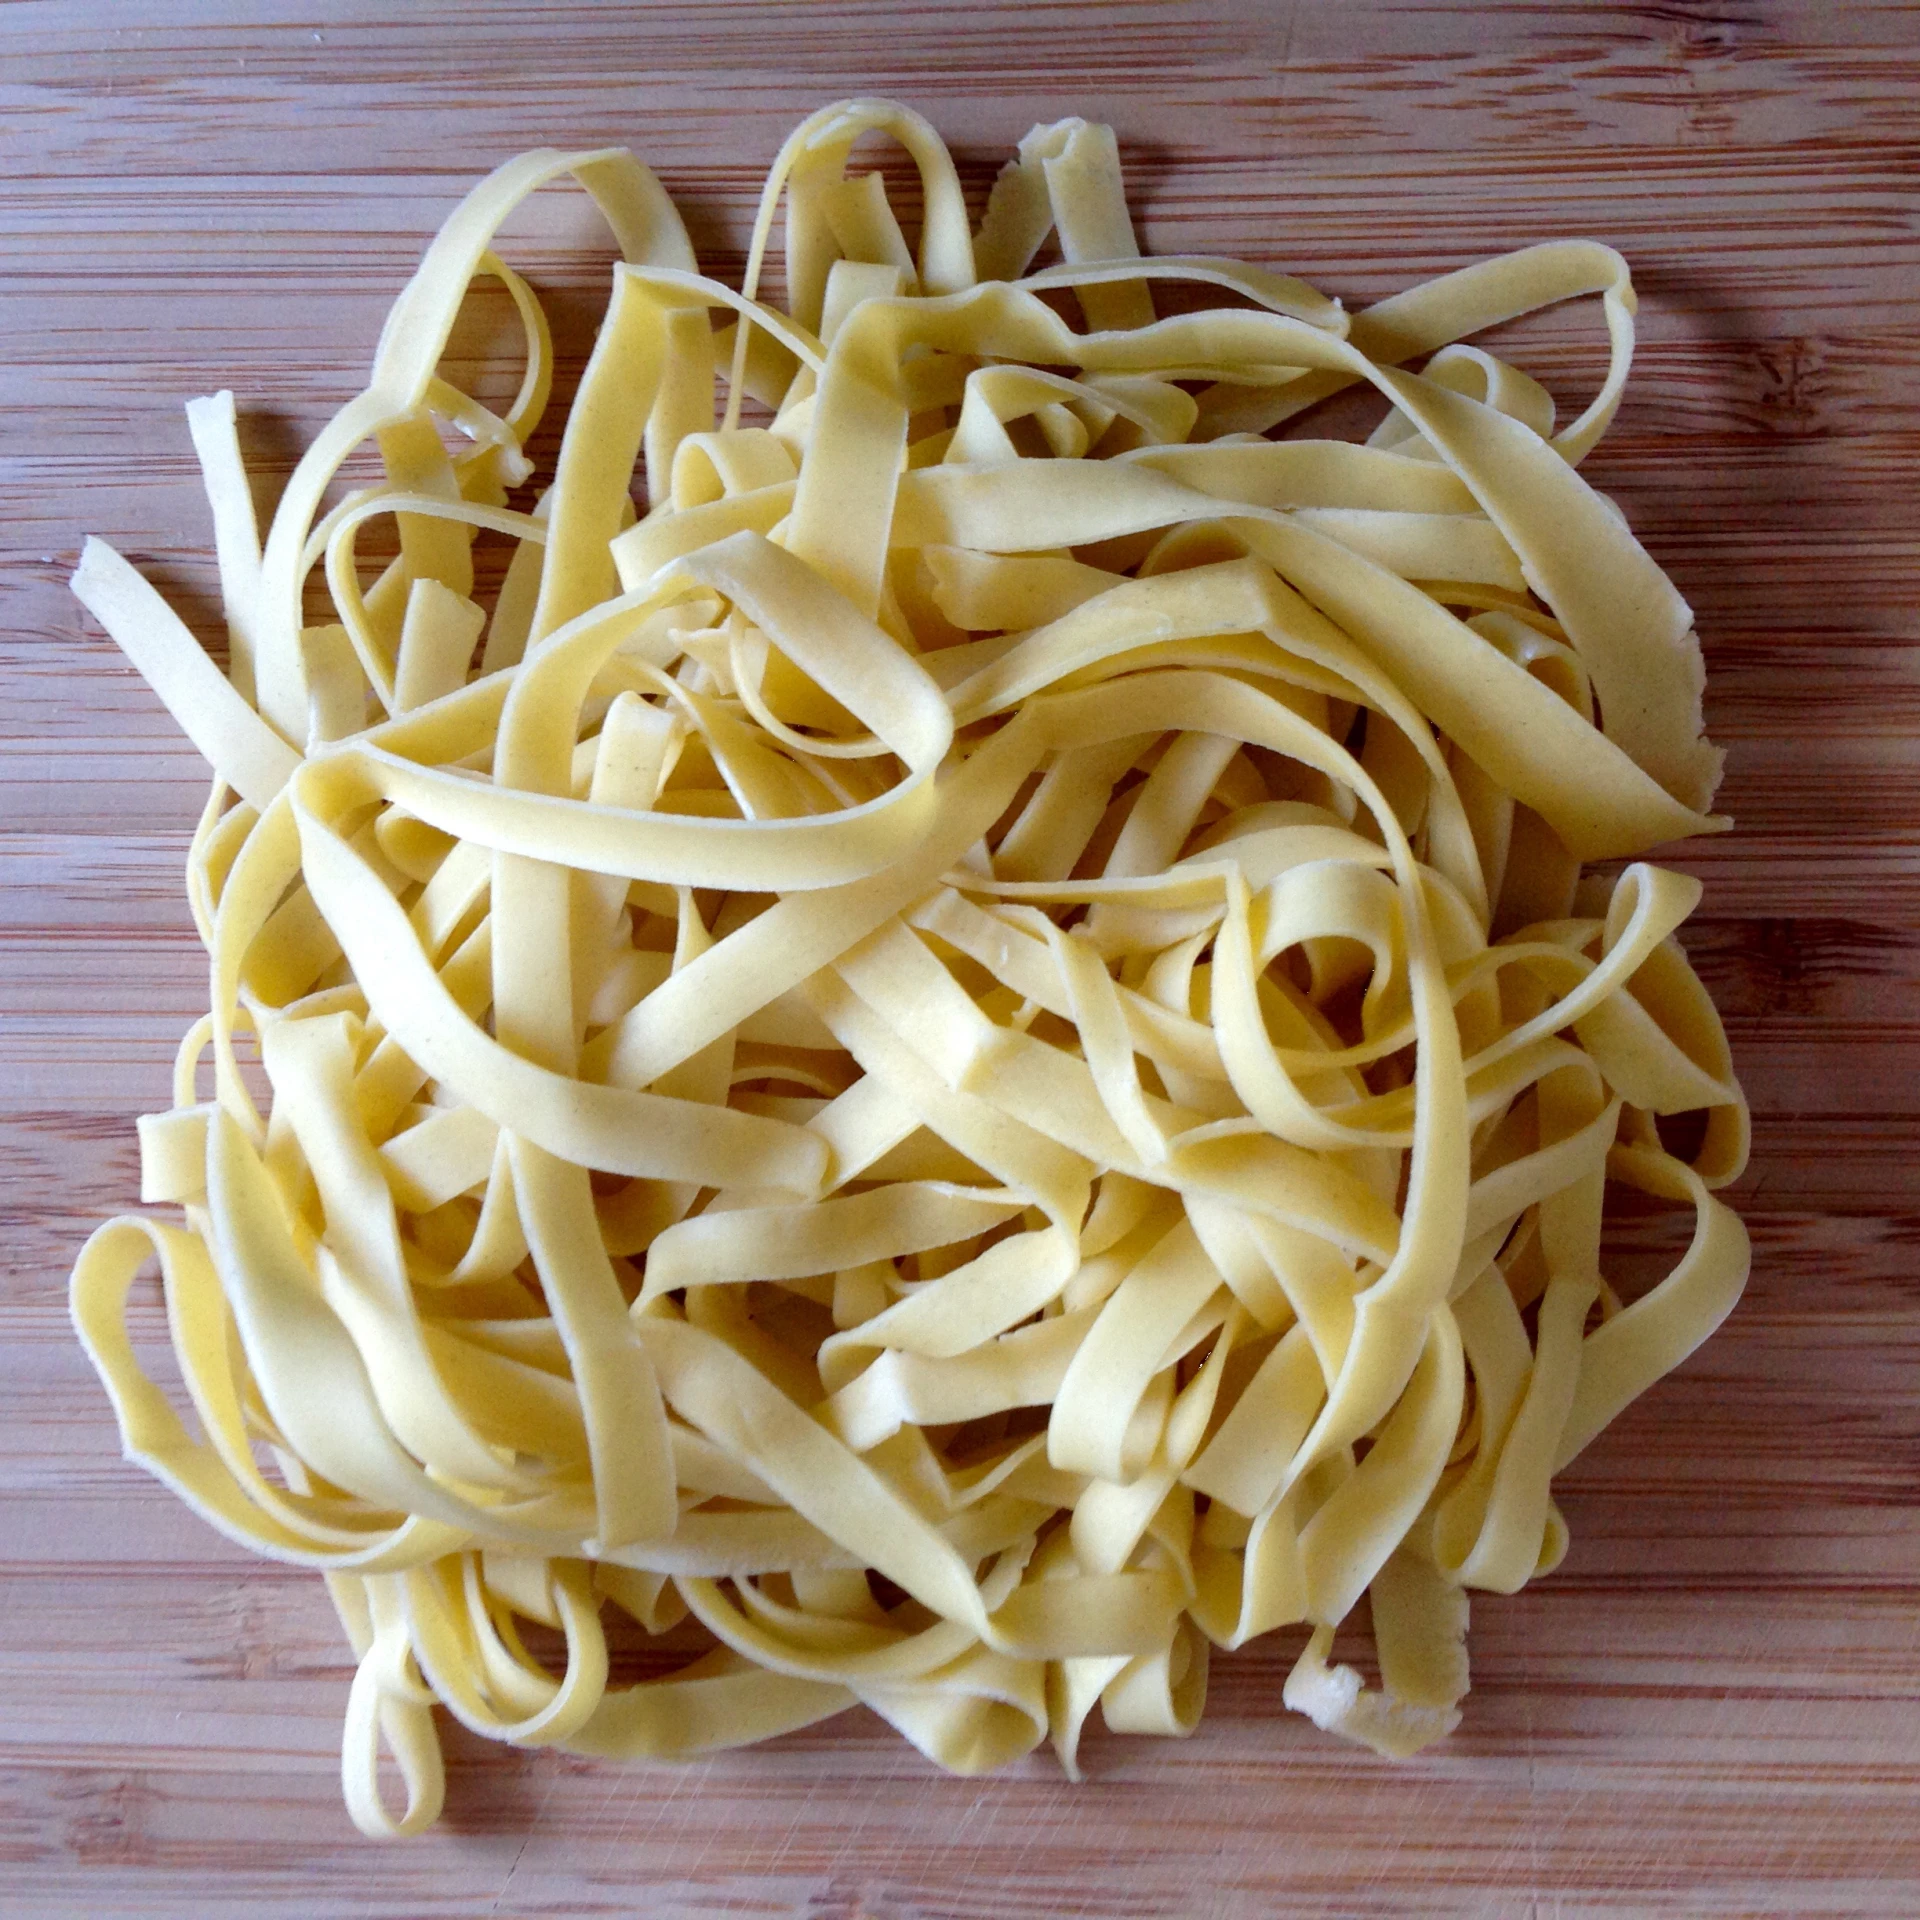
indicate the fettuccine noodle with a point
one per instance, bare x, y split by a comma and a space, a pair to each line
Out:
969, 1058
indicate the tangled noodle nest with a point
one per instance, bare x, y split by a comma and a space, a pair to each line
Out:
974, 1054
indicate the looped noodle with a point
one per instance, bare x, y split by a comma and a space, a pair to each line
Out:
967, 1057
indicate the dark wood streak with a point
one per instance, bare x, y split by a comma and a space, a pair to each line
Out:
1709, 1709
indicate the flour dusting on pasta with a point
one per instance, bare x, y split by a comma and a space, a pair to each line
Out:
970, 1055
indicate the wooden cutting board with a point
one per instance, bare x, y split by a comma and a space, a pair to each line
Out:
1712, 1707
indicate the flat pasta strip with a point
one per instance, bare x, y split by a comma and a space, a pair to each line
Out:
962, 1052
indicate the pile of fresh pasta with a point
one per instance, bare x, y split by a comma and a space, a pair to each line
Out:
969, 1053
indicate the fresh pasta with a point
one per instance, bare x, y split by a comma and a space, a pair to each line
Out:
978, 1053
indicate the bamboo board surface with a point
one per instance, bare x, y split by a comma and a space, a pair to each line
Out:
1712, 1707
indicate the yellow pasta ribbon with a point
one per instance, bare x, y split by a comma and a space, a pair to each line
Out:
965, 1052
